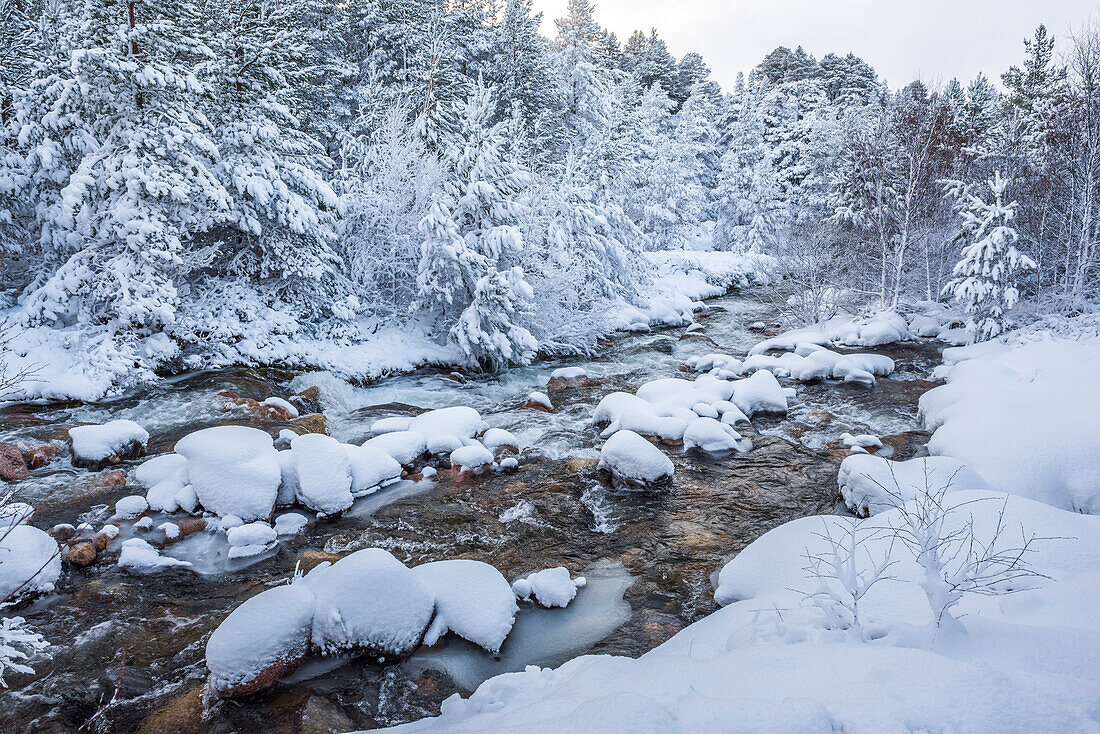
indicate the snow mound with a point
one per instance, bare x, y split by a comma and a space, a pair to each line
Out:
1026, 417
474, 457
390, 425
446, 429
371, 468
164, 477
760, 393
472, 599
632, 460
568, 373
369, 602
550, 587
140, 557
93, 445
261, 640
290, 523
30, 562
274, 402
323, 472
405, 447
250, 539
540, 398
872, 484
707, 434
130, 507
234, 470
884, 327
807, 363
497, 438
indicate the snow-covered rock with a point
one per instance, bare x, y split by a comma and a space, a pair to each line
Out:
631, 459
261, 640
15, 513
405, 447
474, 457
281, 405
390, 425
290, 523
707, 434
233, 470
760, 393
96, 446
163, 476
324, 473
30, 562
130, 507
871, 484
250, 539
539, 399
438, 426
369, 602
496, 439
371, 468
550, 587
472, 600
139, 556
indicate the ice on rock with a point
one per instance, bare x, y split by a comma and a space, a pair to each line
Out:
261, 640
714, 437
94, 445
632, 460
274, 402
130, 507
872, 484
497, 438
550, 587
369, 602
324, 473
760, 393
164, 477
290, 523
371, 468
251, 539
404, 446
30, 562
233, 470
472, 600
472, 458
390, 425
139, 556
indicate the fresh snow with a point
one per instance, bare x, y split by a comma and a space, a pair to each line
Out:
472, 600
871, 484
234, 470
631, 459
96, 443
30, 562
550, 587
323, 472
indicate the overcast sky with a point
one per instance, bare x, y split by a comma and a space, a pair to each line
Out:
903, 39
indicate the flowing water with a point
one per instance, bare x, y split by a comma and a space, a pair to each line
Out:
648, 558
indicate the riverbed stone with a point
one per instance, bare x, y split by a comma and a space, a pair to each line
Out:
312, 423
80, 554
13, 467
311, 559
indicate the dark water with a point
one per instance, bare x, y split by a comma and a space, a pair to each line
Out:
648, 557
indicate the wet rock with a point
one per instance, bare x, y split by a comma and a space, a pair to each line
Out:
109, 480
311, 559
38, 456
103, 538
580, 465
657, 633
80, 554
908, 445
190, 526
229, 400
322, 715
312, 423
180, 715
308, 401
63, 532
97, 447
13, 467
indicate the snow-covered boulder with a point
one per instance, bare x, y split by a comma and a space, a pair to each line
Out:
440, 427
369, 602
250, 539
404, 446
163, 476
371, 469
708, 434
234, 470
95, 447
30, 562
280, 408
324, 473
632, 460
290, 523
760, 393
540, 401
497, 439
472, 600
15, 513
139, 556
390, 425
131, 507
474, 458
261, 641
550, 587
872, 484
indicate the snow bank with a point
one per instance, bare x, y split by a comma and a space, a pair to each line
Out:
550, 587
94, 445
871, 484
1026, 417
261, 640
234, 470
369, 602
30, 562
472, 600
632, 460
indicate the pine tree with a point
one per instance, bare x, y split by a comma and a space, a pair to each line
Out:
985, 276
19, 48
487, 330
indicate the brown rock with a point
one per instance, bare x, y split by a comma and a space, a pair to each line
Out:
308, 400
657, 633
63, 532
102, 540
190, 526
312, 423
228, 400
322, 715
537, 406
180, 715
555, 384
278, 413
110, 479
12, 465
311, 559
39, 456
580, 465
81, 554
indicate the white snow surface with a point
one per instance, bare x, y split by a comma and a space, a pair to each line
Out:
130, 507
634, 460
96, 443
871, 484
550, 587
474, 457
30, 562
405, 447
707, 434
140, 556
324, 473
274, 402
472, 599
370, 468
234, 470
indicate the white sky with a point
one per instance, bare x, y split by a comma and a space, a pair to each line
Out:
903, 39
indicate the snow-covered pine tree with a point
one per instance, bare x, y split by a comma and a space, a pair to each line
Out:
487, 331
448, 270
587, 83
281, 221
127, 109
985, 276
18, 55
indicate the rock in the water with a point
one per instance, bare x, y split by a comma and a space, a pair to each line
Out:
98, 446
81, 554
324, 474
370, 603
38, 456
311, 559
308, 401
472, 600
311, 423
13, 467
30, 563
632, 460
234, 470
260, 641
